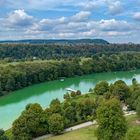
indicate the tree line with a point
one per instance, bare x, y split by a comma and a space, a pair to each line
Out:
12, 52
17, 75
104, 103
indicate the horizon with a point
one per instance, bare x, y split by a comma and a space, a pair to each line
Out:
112, 20
72, 39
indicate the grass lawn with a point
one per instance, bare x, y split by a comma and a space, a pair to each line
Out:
81, 98
81, 134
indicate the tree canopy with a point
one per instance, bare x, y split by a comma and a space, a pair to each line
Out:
112, 124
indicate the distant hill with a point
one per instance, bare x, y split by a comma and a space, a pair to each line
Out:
61, 41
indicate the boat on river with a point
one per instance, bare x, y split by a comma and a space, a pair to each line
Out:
70, 89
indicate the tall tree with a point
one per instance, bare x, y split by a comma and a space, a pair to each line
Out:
138, 108
112, 124
101, 88
31, 123
56, 123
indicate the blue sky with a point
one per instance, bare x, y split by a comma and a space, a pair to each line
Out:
113, 20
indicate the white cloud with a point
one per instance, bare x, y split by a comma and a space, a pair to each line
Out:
90, 5
113, 25
83, 24
18, 18
83, 15
136, 16
115, 7
77, 26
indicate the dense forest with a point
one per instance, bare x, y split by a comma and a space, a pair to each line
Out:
52, 51
17, 75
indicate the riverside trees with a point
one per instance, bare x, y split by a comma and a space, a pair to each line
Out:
2, 135
34, 121
31, 123
17, 75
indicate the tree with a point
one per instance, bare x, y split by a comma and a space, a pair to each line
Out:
10, 85
78, 92
70, 114
138, 107
56, 124
134, 84
31, 123
133, 99
1, 89
2, 135
112, 124
87, 108
66, 96
121, 90
101, 88
73, 94
55, 106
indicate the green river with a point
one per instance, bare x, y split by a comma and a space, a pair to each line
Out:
12, 104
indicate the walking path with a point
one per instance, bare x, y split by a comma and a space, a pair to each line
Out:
69, 129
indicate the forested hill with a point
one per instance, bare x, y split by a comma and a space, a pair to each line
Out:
56, 41
25, 51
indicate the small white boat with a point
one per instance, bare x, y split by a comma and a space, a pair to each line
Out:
69, 89
61, 80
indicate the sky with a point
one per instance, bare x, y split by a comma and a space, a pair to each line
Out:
117, 21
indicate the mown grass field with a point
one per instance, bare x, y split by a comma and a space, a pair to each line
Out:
87, 133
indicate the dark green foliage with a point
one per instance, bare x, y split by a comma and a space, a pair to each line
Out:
101, 88
55, 106
138, 107
132, 101
2, 135
29, 51
112, 124
120, 90
17, 75
70, 115
73, 94
56, 124
66, 96
31, 123
78, 92
86, 108
58, 41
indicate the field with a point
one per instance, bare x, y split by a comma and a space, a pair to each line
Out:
87, 133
